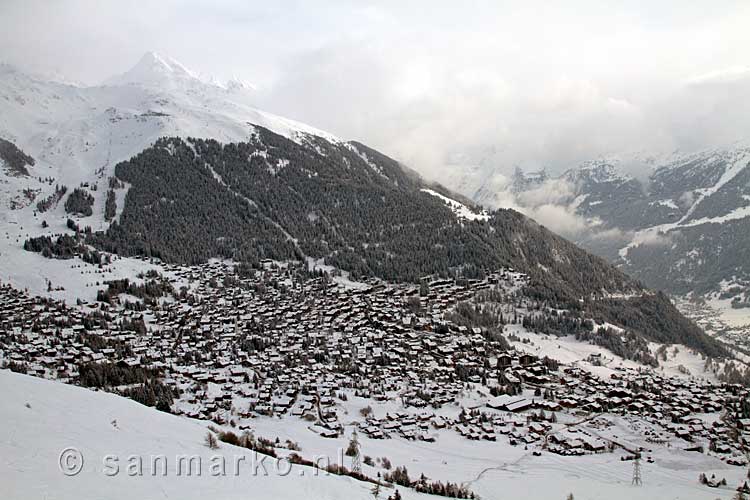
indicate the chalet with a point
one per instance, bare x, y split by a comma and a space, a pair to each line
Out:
510, 403
527, 359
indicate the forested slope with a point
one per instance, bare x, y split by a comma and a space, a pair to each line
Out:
271, 197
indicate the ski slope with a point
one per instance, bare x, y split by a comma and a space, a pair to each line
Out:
99, 424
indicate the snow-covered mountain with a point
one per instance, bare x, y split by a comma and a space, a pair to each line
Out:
681, 225
74, 131
155, 70
75, 136
160, 170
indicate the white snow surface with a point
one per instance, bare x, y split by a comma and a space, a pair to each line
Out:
99, 424
568, 350
461, 210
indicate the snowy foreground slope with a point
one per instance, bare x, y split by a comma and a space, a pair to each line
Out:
59, 416
42, 418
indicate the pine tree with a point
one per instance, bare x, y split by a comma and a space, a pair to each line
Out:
211, 441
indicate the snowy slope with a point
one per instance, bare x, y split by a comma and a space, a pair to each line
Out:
736, 161
60, 416
458, 208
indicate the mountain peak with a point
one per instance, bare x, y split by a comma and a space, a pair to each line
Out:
152, 59
154, 69
238, 84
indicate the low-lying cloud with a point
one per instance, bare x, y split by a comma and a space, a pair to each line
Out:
553, 203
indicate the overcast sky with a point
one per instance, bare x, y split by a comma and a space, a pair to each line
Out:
435, 84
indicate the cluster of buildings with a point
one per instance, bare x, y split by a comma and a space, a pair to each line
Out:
282, 341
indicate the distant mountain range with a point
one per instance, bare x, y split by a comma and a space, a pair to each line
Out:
159, 162
683, 227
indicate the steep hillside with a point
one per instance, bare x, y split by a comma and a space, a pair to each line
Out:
679, 225
327, 200
705, 258
357, 210
13, 160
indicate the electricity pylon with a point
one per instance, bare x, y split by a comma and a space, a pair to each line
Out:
637, 480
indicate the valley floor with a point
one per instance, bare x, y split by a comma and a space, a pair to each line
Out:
719, 319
